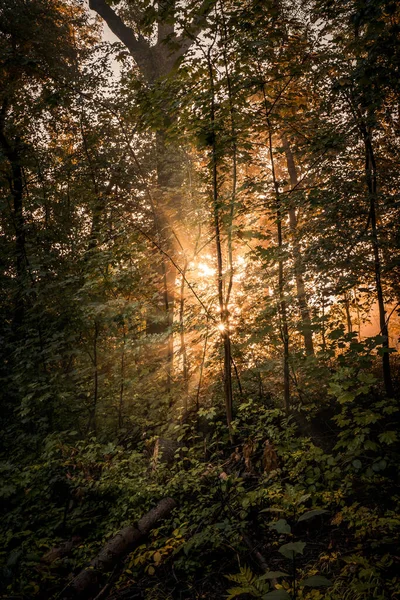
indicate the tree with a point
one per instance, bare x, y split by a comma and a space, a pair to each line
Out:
157, 62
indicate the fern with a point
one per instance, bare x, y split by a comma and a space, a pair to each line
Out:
249, 583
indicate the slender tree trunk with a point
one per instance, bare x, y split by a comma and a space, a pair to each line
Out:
169, 278
281, 291
306, 330
323, 322
371, 177
358, 315
202, 363
372, 187
92, 428
16, 182
224, 317
20, 250
183, 352
122, 380
283, 312
346, 302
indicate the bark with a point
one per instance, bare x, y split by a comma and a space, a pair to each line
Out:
92, 425
122, 380
20, 251
306, 330
282, 309
16, 182
12, 153
87, 583
346, 303
223, 309
183, 351
371, 177
137, 45
61, 551
158, 60
169, 205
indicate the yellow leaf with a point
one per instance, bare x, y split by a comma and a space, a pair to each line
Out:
337, 519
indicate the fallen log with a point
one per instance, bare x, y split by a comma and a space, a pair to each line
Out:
61, 551
88, 581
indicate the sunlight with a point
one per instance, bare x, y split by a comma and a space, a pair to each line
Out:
205, 270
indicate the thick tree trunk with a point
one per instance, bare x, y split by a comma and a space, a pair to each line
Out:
87, 582
169, 211
306, 330
155, 62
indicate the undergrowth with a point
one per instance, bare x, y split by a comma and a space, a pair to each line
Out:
312, 523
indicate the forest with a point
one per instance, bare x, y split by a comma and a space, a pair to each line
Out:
199, 299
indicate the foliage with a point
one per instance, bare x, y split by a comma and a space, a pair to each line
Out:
199, 297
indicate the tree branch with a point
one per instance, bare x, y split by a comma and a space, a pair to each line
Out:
154, 61
138, 47
191, 32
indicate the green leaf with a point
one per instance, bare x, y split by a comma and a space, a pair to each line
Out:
277, 595
346, 397
366, 378
290, 550
336, 334
303, 498
238, 591
388, 437
357, 347
335, 389
357, 464
281, 526
316, 581
311, 514
274, 575
379, 466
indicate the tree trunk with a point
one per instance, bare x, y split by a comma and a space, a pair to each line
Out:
183, 351
20, 251
16, 182
88, 581
306, 330
223, 309
122, 380
346, 302
371, 177
281, 291
155, 62
92, 425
